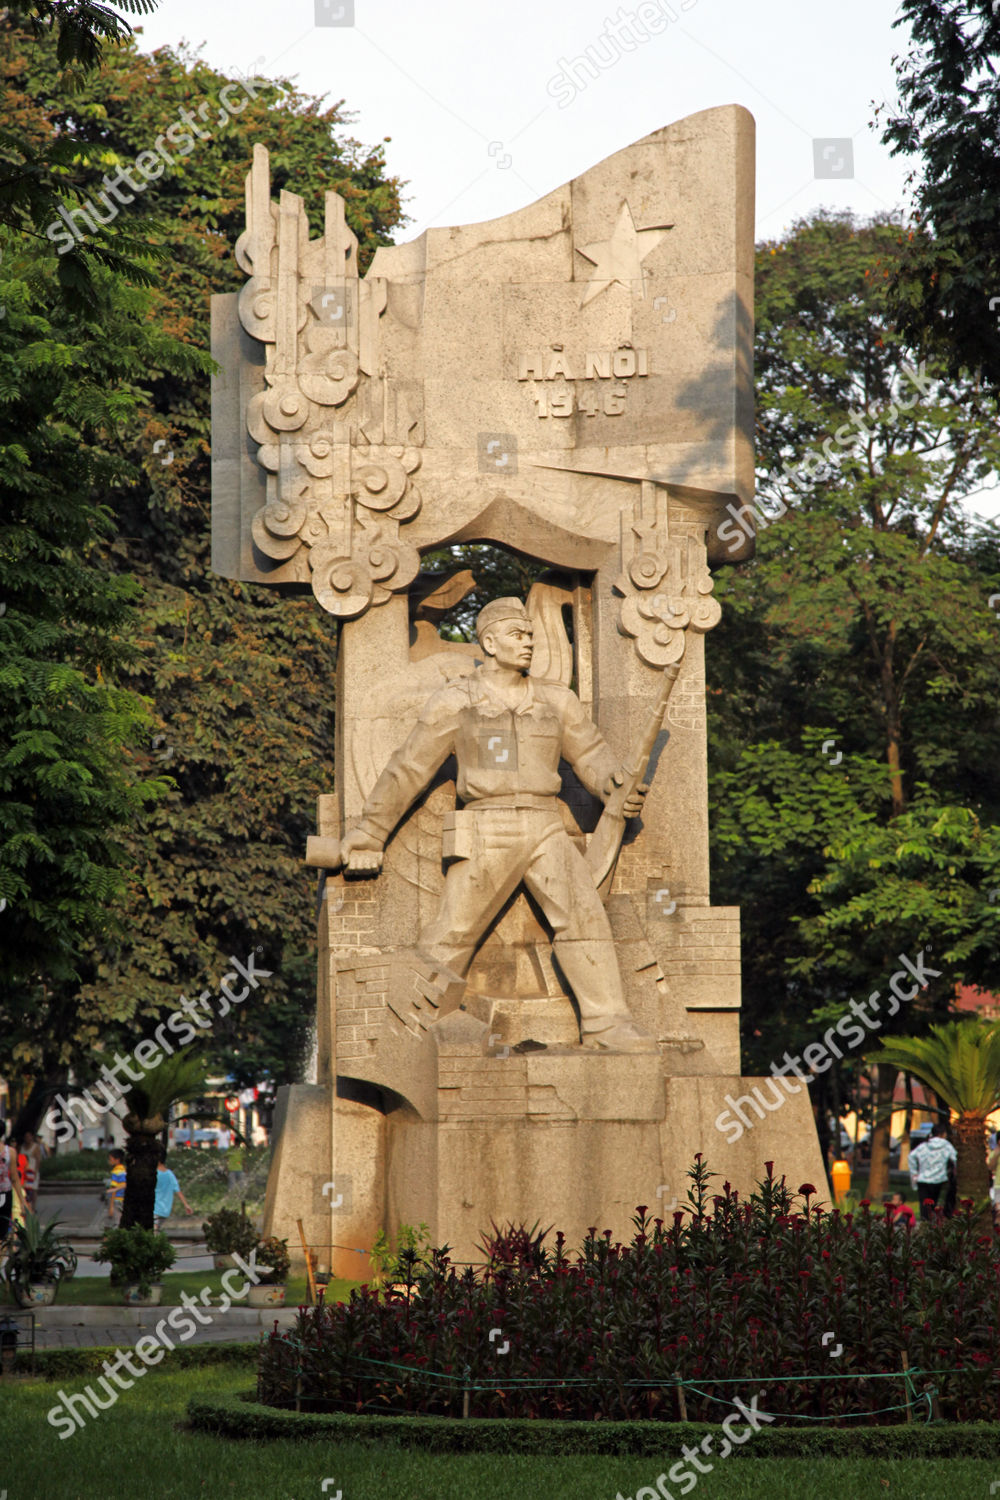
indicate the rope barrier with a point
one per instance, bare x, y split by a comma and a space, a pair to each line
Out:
908, 1377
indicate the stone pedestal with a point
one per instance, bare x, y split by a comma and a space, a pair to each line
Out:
563, 1136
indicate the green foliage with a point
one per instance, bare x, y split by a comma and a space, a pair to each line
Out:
949, 267
37, 1252
851, 683
179, 1077
237, 1416
730, 1290
203, 1176
74, 1166
273, 1258
137, 1256
399, 1259
65, 1364
69, 779
960, 1060
219, 785
82, 27
229, 1232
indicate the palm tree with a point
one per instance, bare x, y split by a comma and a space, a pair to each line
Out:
960, 1061
181, 1076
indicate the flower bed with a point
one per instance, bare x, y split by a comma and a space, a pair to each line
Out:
731, 1298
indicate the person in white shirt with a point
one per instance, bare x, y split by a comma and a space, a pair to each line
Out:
929, 1164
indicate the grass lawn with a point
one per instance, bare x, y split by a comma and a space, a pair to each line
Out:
97, 1291
140, 1447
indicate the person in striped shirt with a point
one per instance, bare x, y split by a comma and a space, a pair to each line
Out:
116, 1184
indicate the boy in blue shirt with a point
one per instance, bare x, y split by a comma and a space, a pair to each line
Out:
166, 1186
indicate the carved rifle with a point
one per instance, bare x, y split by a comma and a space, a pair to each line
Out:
606, 840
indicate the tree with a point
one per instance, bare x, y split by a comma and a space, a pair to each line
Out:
960, 1061
179, 1077
852, 681
37, 167
946, 281
240, 678
72, 379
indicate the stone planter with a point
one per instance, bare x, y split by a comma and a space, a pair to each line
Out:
133, 1299
35, 1293
267, 1294
224, 1262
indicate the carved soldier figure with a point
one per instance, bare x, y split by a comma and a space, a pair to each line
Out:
508, 733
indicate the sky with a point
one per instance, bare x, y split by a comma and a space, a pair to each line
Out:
490, 107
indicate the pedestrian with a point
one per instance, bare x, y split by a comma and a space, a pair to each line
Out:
929, 1164
11, 1197
166, 1186
34, 1151
235, 1161
994, 1165
116, 1185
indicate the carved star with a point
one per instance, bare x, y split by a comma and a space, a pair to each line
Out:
620, 258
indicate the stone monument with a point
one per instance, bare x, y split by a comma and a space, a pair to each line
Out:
528, 1009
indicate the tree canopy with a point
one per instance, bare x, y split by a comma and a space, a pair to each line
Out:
235, 685
945, 283
852, 682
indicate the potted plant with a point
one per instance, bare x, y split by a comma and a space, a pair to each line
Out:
273, 1264
38, 1260
138, 1258
227, 1233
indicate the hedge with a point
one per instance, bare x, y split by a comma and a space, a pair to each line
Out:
243, 1417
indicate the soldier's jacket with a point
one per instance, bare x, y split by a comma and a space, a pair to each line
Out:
500, 753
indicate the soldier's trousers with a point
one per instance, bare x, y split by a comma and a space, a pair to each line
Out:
504, 847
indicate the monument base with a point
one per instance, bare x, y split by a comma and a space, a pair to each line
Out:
560, 1137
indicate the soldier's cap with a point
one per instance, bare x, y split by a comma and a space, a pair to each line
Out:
500, 609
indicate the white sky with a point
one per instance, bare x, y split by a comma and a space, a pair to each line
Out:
447, 82
475, 132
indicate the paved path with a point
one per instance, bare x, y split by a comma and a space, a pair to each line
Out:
83, 1217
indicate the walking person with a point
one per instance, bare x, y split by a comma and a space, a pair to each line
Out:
34, 1152
116, 1186
929, 1163
10, 1188
166, 1186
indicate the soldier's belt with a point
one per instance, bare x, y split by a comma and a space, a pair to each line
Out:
514, 802
462, 834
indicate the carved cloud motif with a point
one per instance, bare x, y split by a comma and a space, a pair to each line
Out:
665, 583
338, 455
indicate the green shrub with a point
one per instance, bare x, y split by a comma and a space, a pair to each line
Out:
773, 1294
398, 1262
273, 1258
229, 1232
242, 1417
138, 1256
